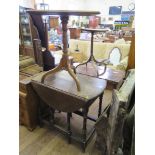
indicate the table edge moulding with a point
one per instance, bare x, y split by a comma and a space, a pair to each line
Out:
64, 16
63, 12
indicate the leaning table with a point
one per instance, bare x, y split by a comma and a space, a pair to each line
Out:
64, 16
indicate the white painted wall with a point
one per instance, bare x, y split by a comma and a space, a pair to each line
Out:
27, 3
102, 5
94, 5
107, 3
98, 5
65, 4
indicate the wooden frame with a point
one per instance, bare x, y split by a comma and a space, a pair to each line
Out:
119, 52
105, 62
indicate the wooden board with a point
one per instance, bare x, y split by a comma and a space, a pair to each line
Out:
63, 12
59, 90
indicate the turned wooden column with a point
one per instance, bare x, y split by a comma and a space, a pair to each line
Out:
46, 35
64, 22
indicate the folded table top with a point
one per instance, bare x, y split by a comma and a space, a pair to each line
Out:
59, 90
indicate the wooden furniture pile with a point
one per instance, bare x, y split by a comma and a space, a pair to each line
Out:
27, 98
109, 127
59, 88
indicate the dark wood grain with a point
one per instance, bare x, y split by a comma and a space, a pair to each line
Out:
63, 12
59, 92
61, 84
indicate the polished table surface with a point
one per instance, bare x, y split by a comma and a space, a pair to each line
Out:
63, 12
112, 75
59, 90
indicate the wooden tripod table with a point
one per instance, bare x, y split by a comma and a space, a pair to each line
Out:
92, 58
64, 16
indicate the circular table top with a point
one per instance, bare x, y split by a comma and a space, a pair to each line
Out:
59, 90
63, 12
